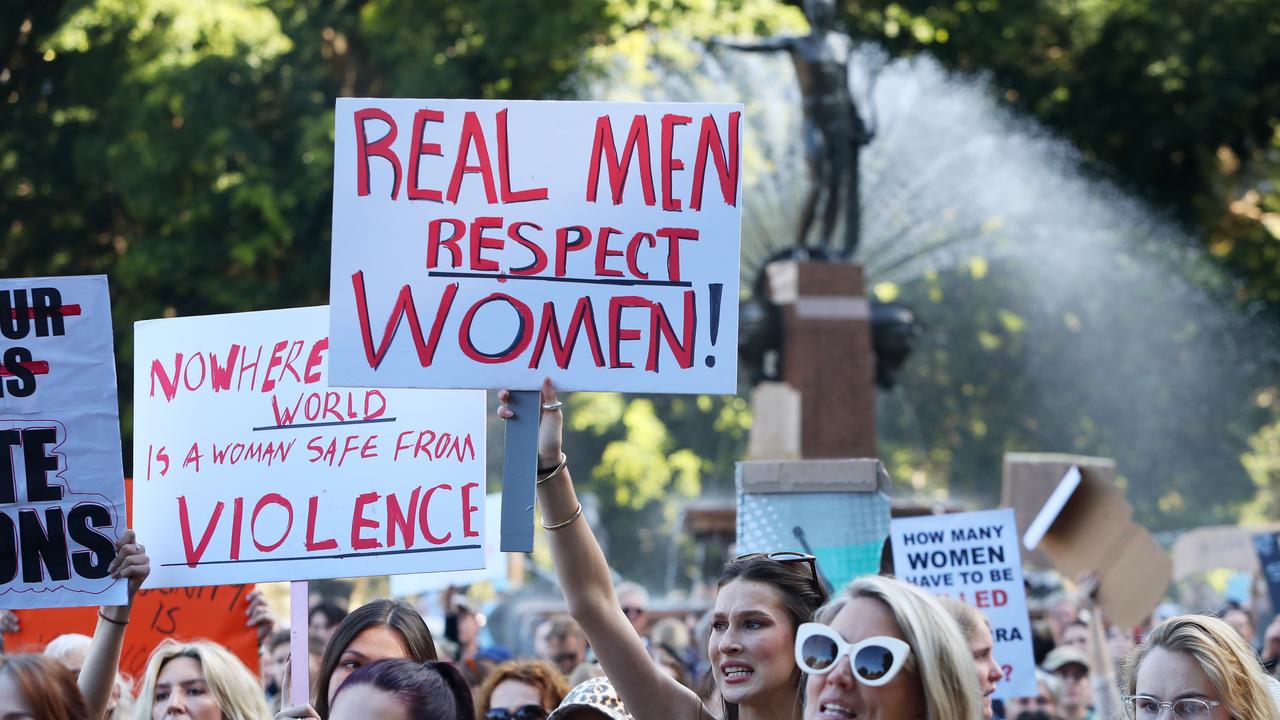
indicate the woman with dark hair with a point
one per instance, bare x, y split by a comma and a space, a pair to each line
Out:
323, 619
37, 687
381, 630
404, 690
762, 599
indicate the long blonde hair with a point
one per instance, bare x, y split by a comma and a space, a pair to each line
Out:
1232, 666
230, 682
940, 655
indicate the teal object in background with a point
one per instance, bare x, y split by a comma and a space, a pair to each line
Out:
835, 510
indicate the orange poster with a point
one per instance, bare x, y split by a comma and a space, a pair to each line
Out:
216, 612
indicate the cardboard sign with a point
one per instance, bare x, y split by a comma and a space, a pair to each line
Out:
61, 483
1204, 549
1086, 524
257, 471
835, 510
216, 613
486, 244
974, 558
1028, 481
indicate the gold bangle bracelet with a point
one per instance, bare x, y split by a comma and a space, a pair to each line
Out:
576, 514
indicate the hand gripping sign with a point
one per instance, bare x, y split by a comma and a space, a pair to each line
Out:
61, 486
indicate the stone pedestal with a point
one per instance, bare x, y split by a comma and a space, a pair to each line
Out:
825, 405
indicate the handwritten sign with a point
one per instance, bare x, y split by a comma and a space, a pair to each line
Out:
497, 564
215, 613
61, 484
485, 244
256, 470
974, 558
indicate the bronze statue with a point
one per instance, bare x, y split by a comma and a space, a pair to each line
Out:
834, 132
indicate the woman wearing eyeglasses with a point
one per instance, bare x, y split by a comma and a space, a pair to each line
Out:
1194, 667
520, 690
760, 602
885, 650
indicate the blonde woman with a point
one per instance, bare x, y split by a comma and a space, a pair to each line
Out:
977, 633
1198, 668
201, 681
885, 650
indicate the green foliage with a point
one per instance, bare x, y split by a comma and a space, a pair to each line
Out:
186, 148
655, 453
1263, 461
1178, 99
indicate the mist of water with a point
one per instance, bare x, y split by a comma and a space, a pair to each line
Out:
1108, 331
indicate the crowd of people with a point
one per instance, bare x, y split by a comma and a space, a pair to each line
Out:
776, 645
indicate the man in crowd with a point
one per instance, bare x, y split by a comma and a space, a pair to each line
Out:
566, 645
1072, 668
1043, 706
1240, 620
634, 600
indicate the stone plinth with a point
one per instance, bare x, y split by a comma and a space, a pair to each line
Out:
825, 405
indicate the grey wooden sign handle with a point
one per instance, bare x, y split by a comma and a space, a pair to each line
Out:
519, 471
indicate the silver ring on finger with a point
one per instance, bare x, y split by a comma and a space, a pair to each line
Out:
552, 406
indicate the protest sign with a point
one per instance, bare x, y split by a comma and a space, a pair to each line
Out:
61, 484
1029, 479
1087, 524
216, 613
258, 471
496, 563
974, 558
488, 244
1212, 547
835, 510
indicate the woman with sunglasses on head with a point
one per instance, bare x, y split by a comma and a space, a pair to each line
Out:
1197, 668
885, 650
520, 690
760, 602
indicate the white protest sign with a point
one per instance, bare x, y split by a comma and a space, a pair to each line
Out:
974, 558
253, 469
489, 244
496, 563
61, 483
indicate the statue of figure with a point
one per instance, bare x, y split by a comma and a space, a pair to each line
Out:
834, 132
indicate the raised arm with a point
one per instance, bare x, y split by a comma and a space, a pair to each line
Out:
580, 565
98, 674
1106, 687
